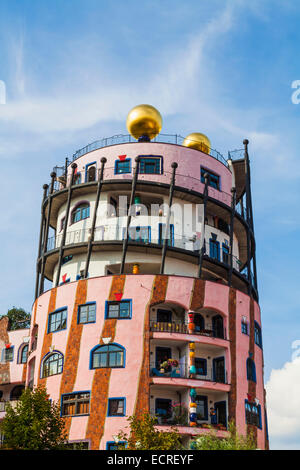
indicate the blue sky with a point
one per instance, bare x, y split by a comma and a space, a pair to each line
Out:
73, 69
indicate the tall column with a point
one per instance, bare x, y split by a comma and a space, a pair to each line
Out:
233, 202
167, 229
46, 233
61, 248
126, 235
92, 235
42, 226
202, 239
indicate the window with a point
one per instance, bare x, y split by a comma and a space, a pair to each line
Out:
57, 321
77, 178
257, 334
24, 354
16, 392
201, 366
8, 354
223, 226
162, 232
80, 212
202, 409
116, 407
87, 313
115, 445
75, 404
225, 250
90, 172
52, 365
111, 355
122, 166
119, 310
66, 259
251, 370
253, 414
213, 179
244, 327
139, 234
150, 165
164, 316
62, 223
214, 247
163, 407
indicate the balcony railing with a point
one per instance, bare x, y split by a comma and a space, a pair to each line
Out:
3, 404
125, 139
182, 371
175, 327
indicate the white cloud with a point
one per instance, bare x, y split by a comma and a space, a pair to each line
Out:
283, 404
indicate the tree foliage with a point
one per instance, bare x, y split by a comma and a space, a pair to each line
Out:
144, 436
34, 423
234, 441
18, 318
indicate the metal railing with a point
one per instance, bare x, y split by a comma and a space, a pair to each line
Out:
127, 138
175, 327
182, 371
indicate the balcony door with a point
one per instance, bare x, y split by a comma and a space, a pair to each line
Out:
221, 413
218, 327
219, 369
162, 355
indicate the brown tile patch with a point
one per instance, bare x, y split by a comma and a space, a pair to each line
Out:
73, 347
158, 295
4, 368
232, 337
100, 386
47, 341
198, 292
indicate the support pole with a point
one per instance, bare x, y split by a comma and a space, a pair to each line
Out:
61, 248
92, 235
46, 233
167, 229
249, 215
126, 235
202, 239
233, 202
38, 263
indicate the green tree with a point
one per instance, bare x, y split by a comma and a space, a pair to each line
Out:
18, 318
233, 441
144, 436
34, 423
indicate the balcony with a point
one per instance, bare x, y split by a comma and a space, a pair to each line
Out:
182, 328
182, 371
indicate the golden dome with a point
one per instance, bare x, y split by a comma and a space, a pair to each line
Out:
197, 141
144, 120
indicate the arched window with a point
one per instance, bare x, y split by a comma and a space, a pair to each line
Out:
111, 355
52, 365
251, 370
77, 178
23, 353
91, 173
80, 212
16, 392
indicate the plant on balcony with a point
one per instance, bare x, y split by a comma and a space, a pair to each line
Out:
142, 435
234, 441
180, 414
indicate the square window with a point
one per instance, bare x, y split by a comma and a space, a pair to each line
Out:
213, 179
8, 355
57, 321
116, 407
122, 167
74, 404
119, 310
87, 313
151, 165
244, 328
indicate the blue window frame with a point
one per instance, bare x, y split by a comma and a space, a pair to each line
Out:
118, 309
77, 178
139, 234
214, 247
8, 354
75, 404
244, 327
80, 212
107, 356
201, 366
57, 320
257, 334
122, 166
66, 259
251, 370
87, 313
253, 414
111, 445
52, 364
202, 407
163, 407
23, 353
161, 234
116, 406
213, 179
150, 165
225, 253
90, 172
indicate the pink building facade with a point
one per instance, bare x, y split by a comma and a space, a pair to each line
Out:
146, 293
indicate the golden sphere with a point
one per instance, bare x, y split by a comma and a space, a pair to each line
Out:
144, 120
197, 141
